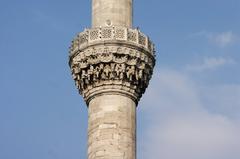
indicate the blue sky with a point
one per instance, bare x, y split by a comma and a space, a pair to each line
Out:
190, 110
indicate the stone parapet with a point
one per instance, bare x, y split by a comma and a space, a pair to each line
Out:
113, 60
111, 34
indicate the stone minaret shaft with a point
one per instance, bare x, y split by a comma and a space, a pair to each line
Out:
117, 12
111, 64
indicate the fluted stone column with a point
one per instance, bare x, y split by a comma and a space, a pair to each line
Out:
111, 64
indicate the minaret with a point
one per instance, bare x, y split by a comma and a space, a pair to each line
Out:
111, 64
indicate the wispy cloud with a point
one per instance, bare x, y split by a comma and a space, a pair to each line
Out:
222, 39
210, 63
180, 123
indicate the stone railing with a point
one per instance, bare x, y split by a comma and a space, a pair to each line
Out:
111, 34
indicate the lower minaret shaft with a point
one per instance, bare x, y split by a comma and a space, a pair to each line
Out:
112, 127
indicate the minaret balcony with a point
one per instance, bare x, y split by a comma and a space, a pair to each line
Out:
112, 34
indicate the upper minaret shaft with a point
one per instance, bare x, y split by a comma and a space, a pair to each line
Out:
112, 12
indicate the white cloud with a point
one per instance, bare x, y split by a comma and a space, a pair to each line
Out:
221, 39
210, 63
181, 126
221, 103
203, 136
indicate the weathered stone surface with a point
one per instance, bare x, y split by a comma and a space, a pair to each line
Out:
112, 134
112, 12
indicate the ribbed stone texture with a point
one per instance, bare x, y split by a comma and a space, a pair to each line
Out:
112, 12
111, 131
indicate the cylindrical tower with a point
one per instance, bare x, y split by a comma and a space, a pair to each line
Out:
112, 12
111, 64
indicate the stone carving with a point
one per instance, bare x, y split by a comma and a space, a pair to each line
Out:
119, 33
100, 34
121, 66
116, 54
111, 64
142, 39
94, 34
132, 36
107, 33
110, 71
83, 38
